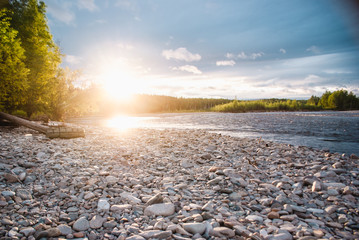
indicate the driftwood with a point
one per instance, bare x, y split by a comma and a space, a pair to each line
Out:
51, 132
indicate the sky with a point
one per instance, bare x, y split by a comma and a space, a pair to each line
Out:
244, 49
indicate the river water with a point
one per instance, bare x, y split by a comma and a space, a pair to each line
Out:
334, 131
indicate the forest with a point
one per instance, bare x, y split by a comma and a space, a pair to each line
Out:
34, 85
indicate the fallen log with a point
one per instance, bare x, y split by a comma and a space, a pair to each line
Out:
51, 132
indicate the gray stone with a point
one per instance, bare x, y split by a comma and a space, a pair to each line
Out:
28, 231
254, 218
160, 209
194, 227
103, 205
97, 221
64, 229
81, 224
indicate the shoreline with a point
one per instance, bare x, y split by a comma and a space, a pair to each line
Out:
173, 184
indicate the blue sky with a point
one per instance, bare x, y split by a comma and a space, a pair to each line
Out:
233, 48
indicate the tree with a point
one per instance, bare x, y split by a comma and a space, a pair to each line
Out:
323, 102
42, 54
13, 80
313, 100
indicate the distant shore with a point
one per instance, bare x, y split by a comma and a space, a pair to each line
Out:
173, 184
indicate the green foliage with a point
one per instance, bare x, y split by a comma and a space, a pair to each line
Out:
338, 100
42, 55
13, 81
19, 113
264, 105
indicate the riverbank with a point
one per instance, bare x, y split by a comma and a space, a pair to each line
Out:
173, 184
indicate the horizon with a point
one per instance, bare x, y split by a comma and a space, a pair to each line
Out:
210, 49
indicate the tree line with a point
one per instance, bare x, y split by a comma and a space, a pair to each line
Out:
337, 100
32, 80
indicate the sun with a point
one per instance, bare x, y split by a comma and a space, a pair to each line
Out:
119, 84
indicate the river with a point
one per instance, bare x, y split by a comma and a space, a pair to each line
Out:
334, 131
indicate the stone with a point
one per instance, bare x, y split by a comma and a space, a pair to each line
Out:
111, 179
129, 197
28, 231
281, 236
254, 218
160, 209
208, 207
11, 178
49, 233
120, 208
331, 209
64, 229
316, 186
81, 224
298, 208
96, 222
223, 232
155, 199
89, 195
8, 193
103, 205
24, 194
136, 237
156, 234
194, 228
273, 215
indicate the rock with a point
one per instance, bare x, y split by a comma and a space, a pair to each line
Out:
254, 218
96, 222
120, 208
331, 209
81, 224
111, 179
49, 233
110, 224
24, 194
222, 232
64, 229
136, 237
282, 236
316, 186
160, 209
194, 228
288, 217
155, 199
8, 193
103, 205
332, 192
28, 231
156, 234
11, 178
89, 195
129, 197
273, 215
298, 208
208, 207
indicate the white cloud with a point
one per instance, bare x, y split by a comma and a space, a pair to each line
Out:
181, 54
313, 49
87, 4
226, 63
282, 50
252, 56
71, 59
230, 55
188, 68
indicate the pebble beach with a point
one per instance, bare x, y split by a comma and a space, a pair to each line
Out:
173, 184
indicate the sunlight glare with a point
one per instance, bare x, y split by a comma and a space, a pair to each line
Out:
120, 82
123, 122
